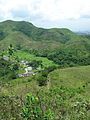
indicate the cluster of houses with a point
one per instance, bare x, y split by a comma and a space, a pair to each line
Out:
28, 69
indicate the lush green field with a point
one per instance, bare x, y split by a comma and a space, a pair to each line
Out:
29, 57
75, 77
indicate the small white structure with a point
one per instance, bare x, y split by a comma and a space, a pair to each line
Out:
28, 69
24, 63
26, 74
5, 57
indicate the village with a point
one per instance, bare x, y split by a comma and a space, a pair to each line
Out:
29, 70
24, 67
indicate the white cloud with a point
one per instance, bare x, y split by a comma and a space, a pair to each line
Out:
44, 10
64, 9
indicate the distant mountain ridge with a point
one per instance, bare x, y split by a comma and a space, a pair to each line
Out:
83, 33
28, 36
56, 34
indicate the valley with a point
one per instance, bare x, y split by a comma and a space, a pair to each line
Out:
44, 73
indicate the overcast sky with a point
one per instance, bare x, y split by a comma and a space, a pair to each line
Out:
72, 14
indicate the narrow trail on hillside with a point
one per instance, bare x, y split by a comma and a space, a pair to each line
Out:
48, 83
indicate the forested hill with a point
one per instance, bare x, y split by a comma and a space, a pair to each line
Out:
38, 34
25, 33
54, 43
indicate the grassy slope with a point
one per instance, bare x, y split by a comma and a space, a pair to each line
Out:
75, 77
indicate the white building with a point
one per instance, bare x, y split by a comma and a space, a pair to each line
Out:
28, 69
5, 57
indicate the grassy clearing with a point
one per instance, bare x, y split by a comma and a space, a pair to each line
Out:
75, 77
29, 57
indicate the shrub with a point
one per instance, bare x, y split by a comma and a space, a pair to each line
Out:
32, 109
42, 80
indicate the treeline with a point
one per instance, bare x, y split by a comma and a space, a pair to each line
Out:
64, 58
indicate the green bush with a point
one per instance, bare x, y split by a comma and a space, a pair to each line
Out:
42, 80
32, 109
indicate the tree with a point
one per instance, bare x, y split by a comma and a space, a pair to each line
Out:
10, 50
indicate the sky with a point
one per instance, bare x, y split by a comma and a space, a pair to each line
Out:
72, 14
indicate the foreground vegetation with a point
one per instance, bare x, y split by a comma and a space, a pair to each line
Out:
64, 96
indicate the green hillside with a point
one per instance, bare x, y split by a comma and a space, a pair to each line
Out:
55, 34
67, 91
50, 43
74, 77
44, 73
19, 32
